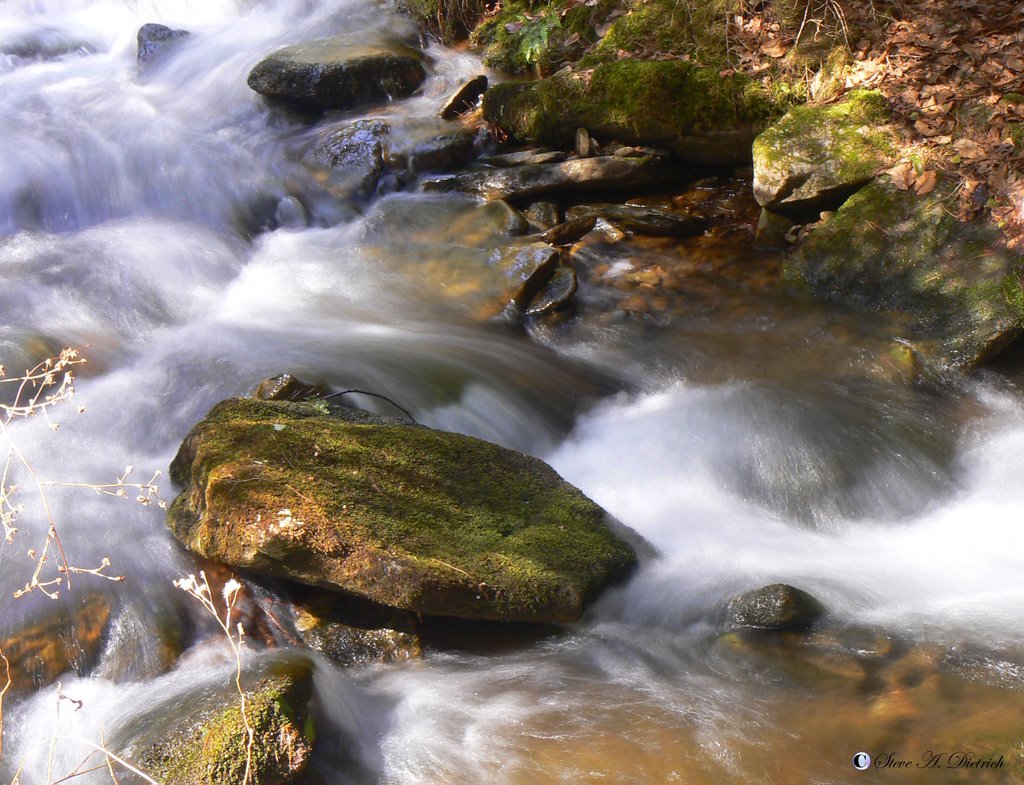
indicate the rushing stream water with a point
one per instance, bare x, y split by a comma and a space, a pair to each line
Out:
747, 444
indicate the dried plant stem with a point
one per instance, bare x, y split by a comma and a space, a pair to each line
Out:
199, 588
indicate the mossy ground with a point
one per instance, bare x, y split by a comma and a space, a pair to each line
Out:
414, 518
638, 101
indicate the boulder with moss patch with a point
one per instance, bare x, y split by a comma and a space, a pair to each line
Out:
205, 741
693, 111
422, 520
892, 250
816, 156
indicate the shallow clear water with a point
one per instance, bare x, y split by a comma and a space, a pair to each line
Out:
745, 442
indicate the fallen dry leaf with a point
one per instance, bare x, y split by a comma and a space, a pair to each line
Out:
925, 182
968, 149
902, 175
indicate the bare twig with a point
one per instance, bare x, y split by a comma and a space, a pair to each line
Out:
199, 588
372, 395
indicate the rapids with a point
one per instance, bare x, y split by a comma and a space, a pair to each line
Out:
152, 219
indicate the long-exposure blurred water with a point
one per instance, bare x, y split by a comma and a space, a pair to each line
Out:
137, 217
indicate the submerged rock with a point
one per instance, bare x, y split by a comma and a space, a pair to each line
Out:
154, 41
694, 112
775, 607
69, 635
816, 156
421, 520
207, 743
337, 73
892, 250
577, 176
357, 152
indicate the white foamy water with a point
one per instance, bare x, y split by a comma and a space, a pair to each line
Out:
139, 215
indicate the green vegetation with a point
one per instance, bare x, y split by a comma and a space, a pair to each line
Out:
692, 110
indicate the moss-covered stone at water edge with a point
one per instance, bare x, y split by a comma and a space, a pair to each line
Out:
212, 749
816, 156
892, 250
425, 521
693, 111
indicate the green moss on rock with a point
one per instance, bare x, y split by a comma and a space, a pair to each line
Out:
691, 110
421, 520
816, 156
212, 750
892, 250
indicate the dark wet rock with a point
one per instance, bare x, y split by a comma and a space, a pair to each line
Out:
156, 40
444, 152
544, 215
425, 521
576, 176
642, 220
775, 607
530, 268
555, 294
525, 157
48, 43
572, 230
67, 636
697, 114
204, 740
514, 222
323, 632
285, 387
816, 156
357, 152
608, 231
338, 73
891, 250
465, 99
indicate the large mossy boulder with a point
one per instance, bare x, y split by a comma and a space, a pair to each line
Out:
690, 110
892, 250
816, 156
339, 73
421, 520
205, 741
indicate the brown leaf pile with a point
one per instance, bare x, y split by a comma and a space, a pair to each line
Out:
953, 72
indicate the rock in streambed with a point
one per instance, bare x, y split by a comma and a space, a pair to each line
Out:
339, 73
421, 520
